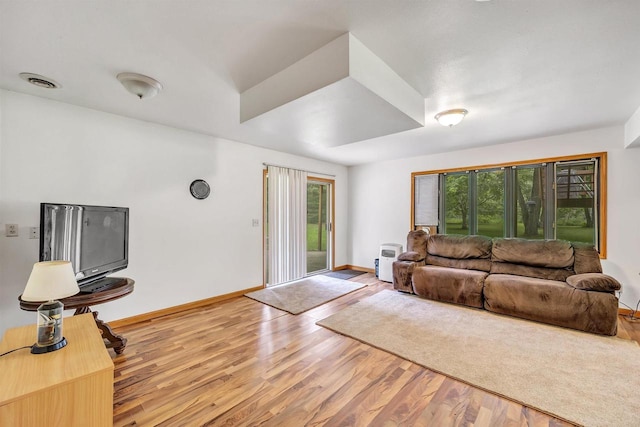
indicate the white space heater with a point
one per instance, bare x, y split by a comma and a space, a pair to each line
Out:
389, 253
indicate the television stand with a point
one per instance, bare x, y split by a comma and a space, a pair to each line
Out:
82, 302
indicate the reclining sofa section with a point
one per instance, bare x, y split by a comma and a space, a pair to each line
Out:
550, 281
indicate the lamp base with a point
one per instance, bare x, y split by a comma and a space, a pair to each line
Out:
35, 349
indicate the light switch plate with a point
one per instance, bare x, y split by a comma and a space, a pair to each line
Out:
34, 232
11, 230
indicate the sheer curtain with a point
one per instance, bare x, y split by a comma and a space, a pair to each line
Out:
287, 201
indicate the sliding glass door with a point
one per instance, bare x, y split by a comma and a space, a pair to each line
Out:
317, 249
318, 226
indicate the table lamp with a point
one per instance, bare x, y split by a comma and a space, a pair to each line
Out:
49, 281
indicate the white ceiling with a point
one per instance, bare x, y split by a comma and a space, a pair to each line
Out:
523, 68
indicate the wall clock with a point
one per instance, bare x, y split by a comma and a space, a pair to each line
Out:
200, 189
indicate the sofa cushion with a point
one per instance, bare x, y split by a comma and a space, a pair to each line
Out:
482, 264
587, 259
594, 282
458, 246
551, 302
529, 271
449, 284
417, 242
402, 273
410, 256
536, 253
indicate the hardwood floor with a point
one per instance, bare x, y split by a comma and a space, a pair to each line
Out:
242, 363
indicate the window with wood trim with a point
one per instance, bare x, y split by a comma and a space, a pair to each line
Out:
558, 198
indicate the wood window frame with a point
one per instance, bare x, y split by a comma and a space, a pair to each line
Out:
602, 185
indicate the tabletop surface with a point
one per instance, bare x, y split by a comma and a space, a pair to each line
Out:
120, 289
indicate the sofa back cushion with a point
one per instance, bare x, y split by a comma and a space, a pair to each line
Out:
459, 247
417, 242
559, 274
481, 264
587, 259
534, 253
457, 251
542, 259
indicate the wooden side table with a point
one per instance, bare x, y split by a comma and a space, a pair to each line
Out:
83, 301
72, 386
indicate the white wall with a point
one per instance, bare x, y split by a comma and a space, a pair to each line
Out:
380, 196
180, 249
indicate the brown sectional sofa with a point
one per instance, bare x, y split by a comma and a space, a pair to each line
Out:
550, 281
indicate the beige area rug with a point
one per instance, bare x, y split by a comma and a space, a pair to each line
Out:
576, 376
305, 294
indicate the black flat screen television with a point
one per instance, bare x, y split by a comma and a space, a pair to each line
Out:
94, 238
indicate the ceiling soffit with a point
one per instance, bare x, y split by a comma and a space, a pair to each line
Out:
339, 94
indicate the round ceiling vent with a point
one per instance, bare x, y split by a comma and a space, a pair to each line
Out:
40, 81
200, 189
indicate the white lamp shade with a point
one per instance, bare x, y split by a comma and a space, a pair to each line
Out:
50, 280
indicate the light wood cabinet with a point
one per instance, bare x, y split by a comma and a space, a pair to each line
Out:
69, 387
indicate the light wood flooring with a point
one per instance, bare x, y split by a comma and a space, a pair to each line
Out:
242, 363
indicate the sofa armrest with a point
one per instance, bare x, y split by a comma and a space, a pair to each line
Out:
403, 274
594, 282
410, 256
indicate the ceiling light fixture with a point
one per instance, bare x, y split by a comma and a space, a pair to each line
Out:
40, 81
139, 85
451, 117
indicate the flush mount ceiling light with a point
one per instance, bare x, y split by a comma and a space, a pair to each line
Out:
451, 117
40, 81
139, 85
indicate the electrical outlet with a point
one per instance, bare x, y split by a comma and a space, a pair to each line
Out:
34, 232
255, 222
11, 230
